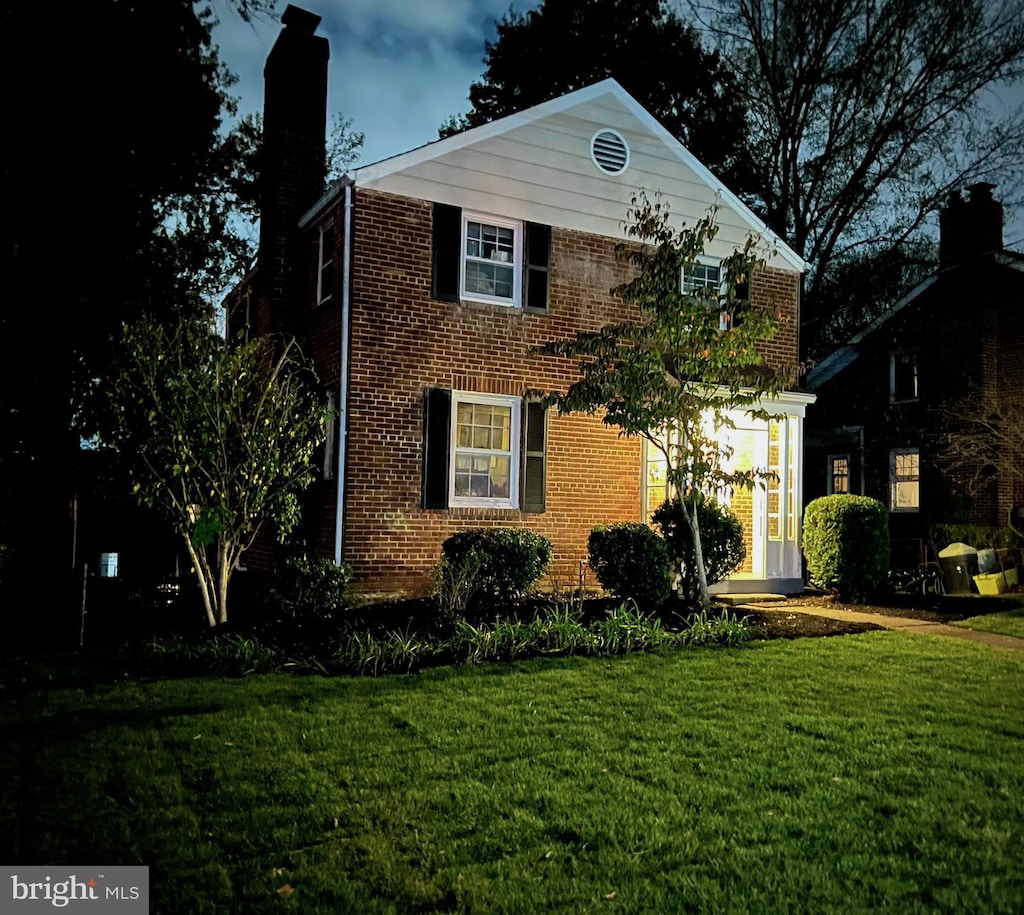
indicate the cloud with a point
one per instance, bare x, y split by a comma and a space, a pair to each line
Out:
399, 68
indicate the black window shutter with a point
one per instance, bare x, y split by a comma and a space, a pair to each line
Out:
742, 302
447, 251
536, 261
437, 413
534, 457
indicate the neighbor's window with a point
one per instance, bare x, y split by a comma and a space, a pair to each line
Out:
485, 451
902, 377
325, 267
491, 259
838, 473
905, 480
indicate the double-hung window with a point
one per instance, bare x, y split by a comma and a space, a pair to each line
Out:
904, 480
838, 473
902, 377
491, 259
483, 451
702, 277
705, 277
325, 265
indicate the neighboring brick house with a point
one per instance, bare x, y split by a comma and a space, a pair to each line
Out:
875, 426
423, 285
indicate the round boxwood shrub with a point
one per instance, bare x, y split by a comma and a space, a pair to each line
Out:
631, 561
846, 542
721, 541
505, 562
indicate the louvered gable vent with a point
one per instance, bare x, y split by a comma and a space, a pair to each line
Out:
610, 152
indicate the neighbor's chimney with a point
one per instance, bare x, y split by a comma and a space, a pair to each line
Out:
292, 161
970, 228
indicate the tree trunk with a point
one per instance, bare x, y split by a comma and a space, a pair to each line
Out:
224, 573
205, 586
690, 512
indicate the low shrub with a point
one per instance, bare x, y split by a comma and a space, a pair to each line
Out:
632, 562
626, 629
501, 564
721, 541
312, 589
706, 630
846, 542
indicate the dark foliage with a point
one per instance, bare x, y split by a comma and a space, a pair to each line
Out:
721, 540
506, 562
565, 45
116, 113
631, 561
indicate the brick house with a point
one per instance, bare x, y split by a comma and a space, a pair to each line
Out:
422, 285
874, 426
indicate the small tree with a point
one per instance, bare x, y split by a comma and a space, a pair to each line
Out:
983, 441
218, 438
673, 375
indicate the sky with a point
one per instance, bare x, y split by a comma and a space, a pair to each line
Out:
400, 68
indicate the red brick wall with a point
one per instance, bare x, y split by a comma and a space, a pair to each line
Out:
403, 342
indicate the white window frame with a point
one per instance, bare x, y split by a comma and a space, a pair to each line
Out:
895, 482
687, 285
323, 295
515, 409
832, 458
516, 301
893, 398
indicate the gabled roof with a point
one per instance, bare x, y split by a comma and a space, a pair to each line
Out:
847, 354
431, 159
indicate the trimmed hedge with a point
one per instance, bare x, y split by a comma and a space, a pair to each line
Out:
505, 563
721, 541
846, 542
632, 562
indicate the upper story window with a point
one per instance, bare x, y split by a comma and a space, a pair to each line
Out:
904, 480
491, 259
902, 377
492, 255
838, 473
325, 265
703, 276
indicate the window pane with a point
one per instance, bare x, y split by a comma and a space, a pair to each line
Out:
482, 430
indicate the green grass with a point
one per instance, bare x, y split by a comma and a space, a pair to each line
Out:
1007, 622
855, 774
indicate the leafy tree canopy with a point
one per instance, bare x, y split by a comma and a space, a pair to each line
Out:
218, 438
565, 45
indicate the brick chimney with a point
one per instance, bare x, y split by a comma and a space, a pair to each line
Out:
292, 162
970, 228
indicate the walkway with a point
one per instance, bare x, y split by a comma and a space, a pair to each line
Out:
902, 623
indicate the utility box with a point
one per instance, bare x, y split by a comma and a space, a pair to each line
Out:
959, 564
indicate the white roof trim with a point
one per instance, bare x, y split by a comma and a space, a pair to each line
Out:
437, 148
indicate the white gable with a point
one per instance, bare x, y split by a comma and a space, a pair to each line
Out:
536, 165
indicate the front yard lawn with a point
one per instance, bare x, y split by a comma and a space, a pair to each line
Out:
853, 774
1006, 622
